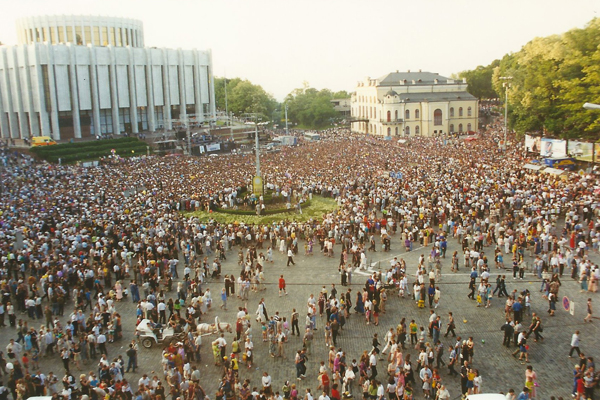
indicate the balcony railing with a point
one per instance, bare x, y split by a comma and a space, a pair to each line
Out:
391, 121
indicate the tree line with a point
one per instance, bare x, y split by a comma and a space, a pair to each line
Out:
307, 107
551, 79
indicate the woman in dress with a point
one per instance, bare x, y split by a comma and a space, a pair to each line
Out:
360, 307
119, 290
531, 381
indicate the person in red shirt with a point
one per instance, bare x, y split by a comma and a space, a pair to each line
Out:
335, 393
282, 286
580, 389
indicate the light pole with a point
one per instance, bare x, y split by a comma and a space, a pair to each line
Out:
506, 86
286, 121
227, 113
257, 182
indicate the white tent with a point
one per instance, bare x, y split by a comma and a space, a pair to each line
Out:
554, 171
533, 167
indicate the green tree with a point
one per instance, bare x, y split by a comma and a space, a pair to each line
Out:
220, 90
480, 81
243, 97
310, 107
342, 94
552, 77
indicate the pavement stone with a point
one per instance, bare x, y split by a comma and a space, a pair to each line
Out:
499, 370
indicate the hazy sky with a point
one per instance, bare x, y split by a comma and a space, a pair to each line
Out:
279, 44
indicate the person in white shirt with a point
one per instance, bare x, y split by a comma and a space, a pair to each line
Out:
575, 344
144, 380
324, 396
290, 256
266, 383
349, 377
162, 313
101, 340
388, 340
308, 395
443, 393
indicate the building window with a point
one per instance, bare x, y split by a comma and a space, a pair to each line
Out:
417, 130
396, 131
78, 38
61, 34
469, 112
389, 131
389, 116
396, 115
469, 127
407, 130
451, 128
87, 35
437, 117
158, 117
460, 112
70, 36
407, 114
53, 35
142, 119
46, 84
106, 122
96, 36
124, 120
417, 114
460, 128
104, 39
451, 111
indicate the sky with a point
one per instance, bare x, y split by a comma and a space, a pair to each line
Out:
281, 44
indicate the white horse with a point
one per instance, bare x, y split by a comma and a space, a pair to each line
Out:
207, 329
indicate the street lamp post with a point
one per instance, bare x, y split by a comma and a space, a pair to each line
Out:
257, 181
286, 121
257, 149
506, 86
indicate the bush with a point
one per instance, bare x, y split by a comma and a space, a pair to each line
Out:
72, 152
91, 143
306, 204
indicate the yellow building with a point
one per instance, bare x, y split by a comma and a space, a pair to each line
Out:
413, 104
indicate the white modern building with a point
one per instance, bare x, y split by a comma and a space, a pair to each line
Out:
78, 76
413, 103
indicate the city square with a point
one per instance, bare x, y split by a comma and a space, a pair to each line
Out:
184, 216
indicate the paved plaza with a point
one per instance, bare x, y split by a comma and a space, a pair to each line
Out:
499, 370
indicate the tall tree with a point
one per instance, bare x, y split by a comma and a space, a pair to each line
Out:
552, 77
243, 97
480, 81
310, 107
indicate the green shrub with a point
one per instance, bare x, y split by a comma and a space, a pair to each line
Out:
306, 204
72, 152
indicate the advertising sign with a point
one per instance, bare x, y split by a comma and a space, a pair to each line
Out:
553, 148
213, 147
257, 185
581, 150
533, 144
566, 163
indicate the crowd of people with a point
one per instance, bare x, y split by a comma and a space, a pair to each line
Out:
80, 240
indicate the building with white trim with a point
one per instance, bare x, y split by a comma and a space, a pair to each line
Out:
81, 76
413, 103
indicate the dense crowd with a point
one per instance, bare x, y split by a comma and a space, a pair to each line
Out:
80, 240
